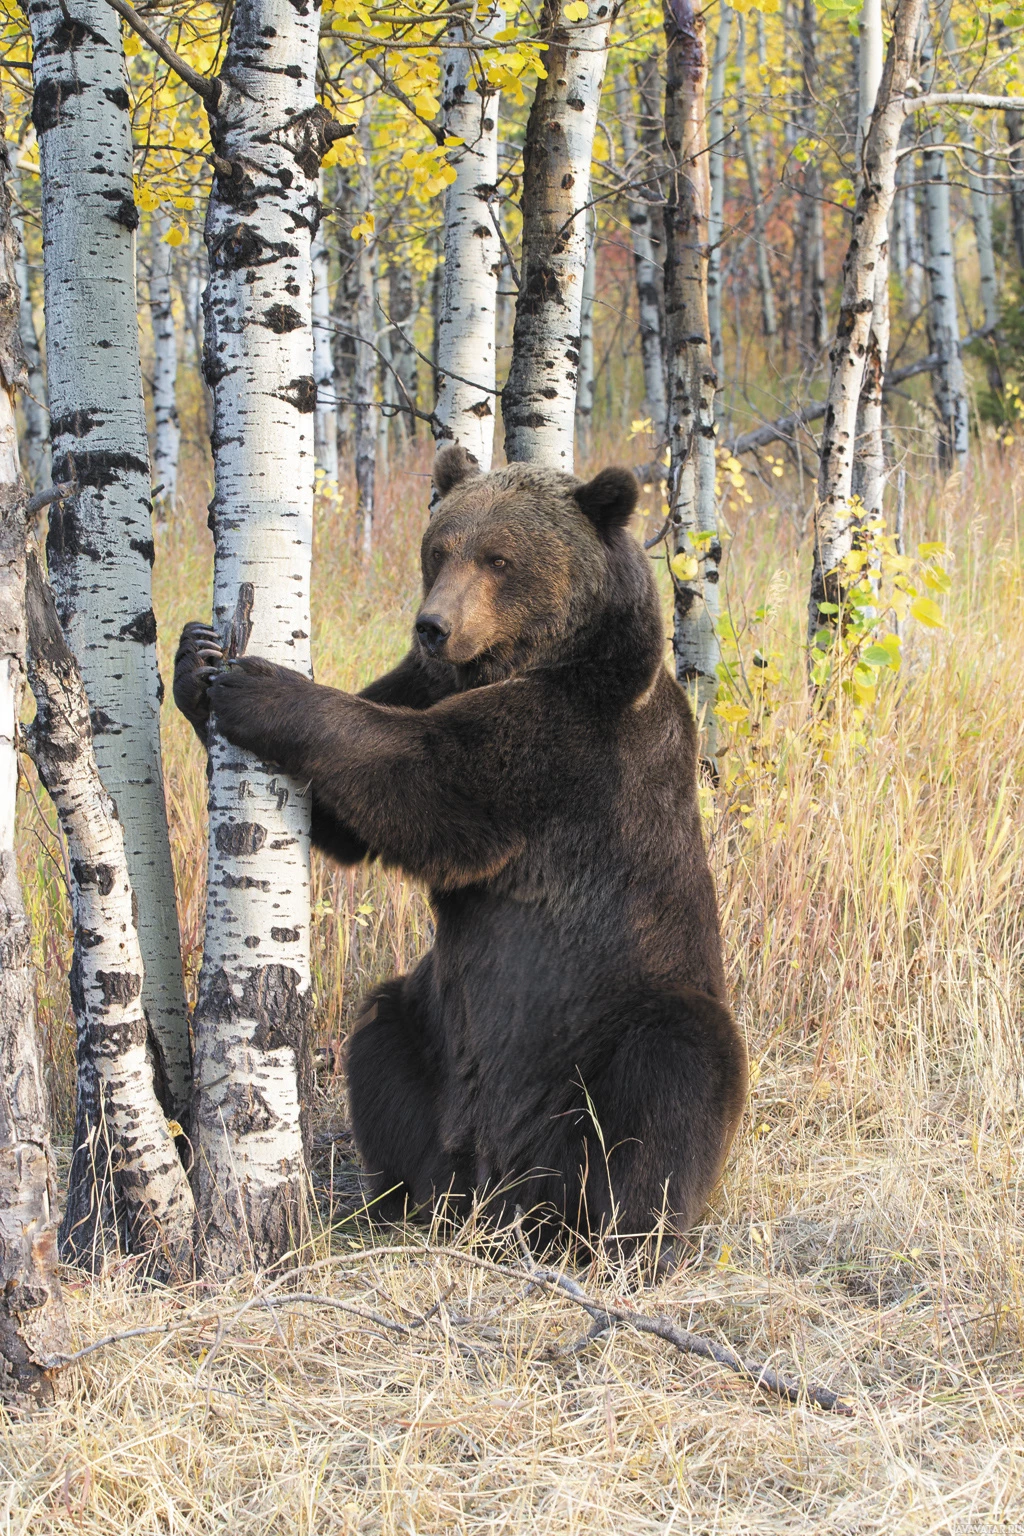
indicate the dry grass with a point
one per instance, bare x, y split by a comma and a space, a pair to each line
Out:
869, 1229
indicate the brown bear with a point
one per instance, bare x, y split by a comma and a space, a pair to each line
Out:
566, 1045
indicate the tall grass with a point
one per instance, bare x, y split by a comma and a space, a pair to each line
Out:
869, 1228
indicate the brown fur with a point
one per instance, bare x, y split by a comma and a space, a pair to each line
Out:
567, 1039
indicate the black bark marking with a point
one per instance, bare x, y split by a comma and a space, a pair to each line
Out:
119, 987
237, 838
244, 883
76, 423
99, 875
282, 318
141, 628
145, 548
102, 723
47, 101
101, 467
119, 98
301, 393
285, 935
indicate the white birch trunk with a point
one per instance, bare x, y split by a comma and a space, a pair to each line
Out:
868, 481
402, 300
539, 399
769, 320
33, 1326
101, 543
127, 1189
464, 407
835, 518
167, 443
948, 382
978, 168
36, 438
716, 214
870, 62
645, 265
254, 994
585, 383
364, 373
691, 375
812, 233
326, 423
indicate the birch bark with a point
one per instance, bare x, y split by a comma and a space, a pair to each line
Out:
36, 456
127, 1189
167, 445
835, 519
716, 172
402, 297
769, 320
812, 233
948, 384
254, 994
364, 372
981, 218
464, 407
648, 273
539, 398
101, 544
868, 479
33, 1327
326, 421
692, 382
585, 381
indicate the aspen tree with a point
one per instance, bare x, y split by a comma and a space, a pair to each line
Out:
835, 518
948, 383
812, 235
692, 384
868, 479
36, 438
464, 407
585, 379
326, 423
649, 281
127, 1189
167, 444
402, 299
769, 320
539, 398
254, 1001
101, 543
716, 175
33, 1327
364, 372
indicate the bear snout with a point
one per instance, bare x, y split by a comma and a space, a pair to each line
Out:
433, 633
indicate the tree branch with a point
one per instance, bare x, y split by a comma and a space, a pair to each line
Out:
209, 90
959, 99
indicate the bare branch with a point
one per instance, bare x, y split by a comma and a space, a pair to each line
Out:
209, 90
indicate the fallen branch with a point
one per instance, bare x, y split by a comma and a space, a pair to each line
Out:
603, 1318
682, 1339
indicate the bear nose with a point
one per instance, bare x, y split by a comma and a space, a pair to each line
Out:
433, 632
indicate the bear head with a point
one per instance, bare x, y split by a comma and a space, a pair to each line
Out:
516, 562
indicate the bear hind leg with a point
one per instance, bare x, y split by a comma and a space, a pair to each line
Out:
394, 1103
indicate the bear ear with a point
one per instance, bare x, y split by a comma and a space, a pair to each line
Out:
452, 465
609, 500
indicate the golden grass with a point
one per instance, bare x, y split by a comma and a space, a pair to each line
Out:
869, 1228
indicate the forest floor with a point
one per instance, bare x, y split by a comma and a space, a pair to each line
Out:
869, 1229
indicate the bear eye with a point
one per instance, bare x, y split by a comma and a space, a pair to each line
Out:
498, 562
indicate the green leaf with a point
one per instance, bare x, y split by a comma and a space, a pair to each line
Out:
877, 656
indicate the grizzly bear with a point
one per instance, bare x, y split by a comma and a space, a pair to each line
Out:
565, 1046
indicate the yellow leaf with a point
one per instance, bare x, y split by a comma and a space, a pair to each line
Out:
684, 567
148, 200
926, 611
576, 10
732, 714
174, 1128
176, 235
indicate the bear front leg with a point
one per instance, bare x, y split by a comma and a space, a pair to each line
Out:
199, 658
